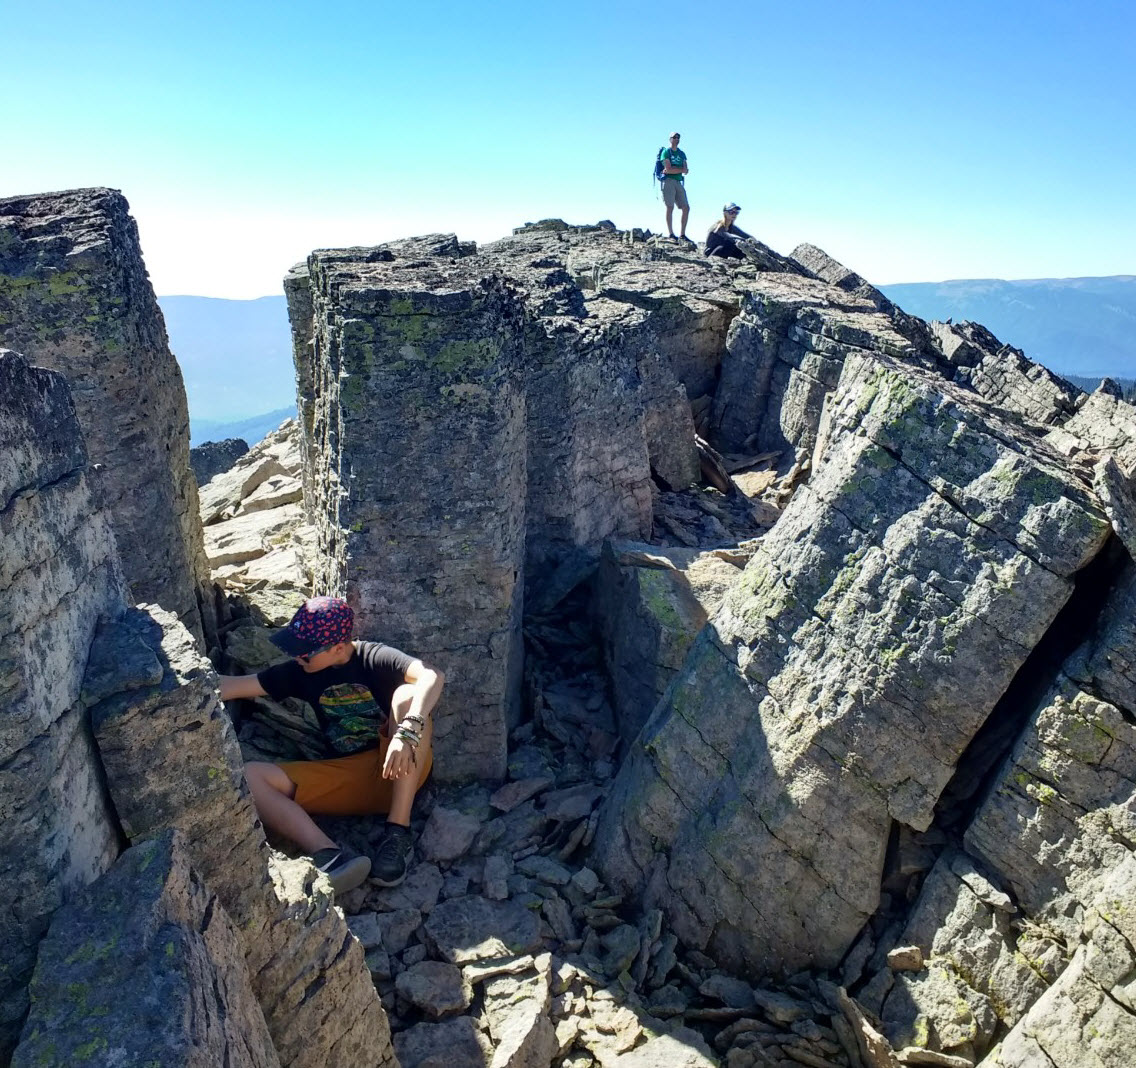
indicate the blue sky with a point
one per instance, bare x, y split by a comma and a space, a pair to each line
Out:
913, 141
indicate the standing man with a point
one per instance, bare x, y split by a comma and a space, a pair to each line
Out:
673, 160
373, 704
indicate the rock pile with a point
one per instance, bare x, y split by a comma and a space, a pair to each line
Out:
837, 724
503, 947
252, 516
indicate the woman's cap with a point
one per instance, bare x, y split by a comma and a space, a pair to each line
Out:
730, 209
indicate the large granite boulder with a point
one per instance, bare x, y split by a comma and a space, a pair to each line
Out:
144, 967
75, 297
59, 573
835, 690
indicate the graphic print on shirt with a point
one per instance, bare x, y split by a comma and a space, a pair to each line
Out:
352, 717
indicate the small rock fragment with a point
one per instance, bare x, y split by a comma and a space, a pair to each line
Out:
437, 989
905, 959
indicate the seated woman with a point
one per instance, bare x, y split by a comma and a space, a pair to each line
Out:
723, 235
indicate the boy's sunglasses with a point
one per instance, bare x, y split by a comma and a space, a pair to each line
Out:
305, 657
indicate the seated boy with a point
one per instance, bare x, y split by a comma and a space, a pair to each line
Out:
373, 704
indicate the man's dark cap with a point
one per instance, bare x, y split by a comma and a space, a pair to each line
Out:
318, 623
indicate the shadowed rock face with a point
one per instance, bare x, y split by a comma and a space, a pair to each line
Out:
58, 574
75, 297
844, 676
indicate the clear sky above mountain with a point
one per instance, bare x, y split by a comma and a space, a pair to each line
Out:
912, 141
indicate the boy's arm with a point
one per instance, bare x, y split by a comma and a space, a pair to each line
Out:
234, 686
427, 683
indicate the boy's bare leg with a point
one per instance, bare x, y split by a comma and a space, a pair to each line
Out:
273, 793
405, 789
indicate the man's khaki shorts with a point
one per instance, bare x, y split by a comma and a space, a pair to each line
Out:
347, 786
674, 192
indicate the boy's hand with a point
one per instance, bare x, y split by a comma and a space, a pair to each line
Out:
400, 760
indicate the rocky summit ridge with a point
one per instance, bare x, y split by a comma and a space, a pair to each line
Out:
791, 716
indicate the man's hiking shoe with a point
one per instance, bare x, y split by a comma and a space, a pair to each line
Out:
392, 857
345, 869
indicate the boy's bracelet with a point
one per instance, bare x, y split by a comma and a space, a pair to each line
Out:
407, 735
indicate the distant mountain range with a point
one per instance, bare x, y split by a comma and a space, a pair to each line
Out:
1074, 326
236, 355
251, 429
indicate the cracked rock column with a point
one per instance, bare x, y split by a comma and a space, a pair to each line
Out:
58, 573
75, 297
845, 674
417, 462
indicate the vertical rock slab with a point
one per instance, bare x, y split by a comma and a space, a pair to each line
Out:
298, 293
58, 573
845, 674
75, 297
172, 760
417, 462
144, 967
587, 438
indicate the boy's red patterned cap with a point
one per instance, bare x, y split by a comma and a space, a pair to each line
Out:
318, 623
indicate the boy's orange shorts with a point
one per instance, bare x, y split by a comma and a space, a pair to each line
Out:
348, 786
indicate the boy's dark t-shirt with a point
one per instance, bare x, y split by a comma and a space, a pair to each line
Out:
352, 701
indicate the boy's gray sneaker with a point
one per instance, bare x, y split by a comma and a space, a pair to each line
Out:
392, 857
345, 869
